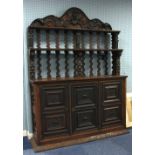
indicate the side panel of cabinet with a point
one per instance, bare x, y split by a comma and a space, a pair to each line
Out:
84, 100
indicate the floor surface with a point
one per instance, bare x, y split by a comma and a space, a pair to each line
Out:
119, 145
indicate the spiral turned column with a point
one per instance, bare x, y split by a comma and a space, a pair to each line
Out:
115, 55
116, 62
78, 55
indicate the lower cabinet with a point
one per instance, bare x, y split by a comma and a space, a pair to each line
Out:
72, 107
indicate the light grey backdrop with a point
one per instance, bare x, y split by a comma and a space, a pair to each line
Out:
116, 12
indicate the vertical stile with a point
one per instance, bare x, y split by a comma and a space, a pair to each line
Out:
66, 54
90, 54
48, 54
98, 54
57, 54
38, 55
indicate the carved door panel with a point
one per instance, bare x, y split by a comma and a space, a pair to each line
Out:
55, 109
111, 103
84, 99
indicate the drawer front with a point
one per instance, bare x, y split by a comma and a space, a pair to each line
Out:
54, 124
84, 95
111, 115
54, 97
111, 92
84, 119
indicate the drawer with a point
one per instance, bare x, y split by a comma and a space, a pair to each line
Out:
55, 124
111, 114
54, 97
84, 95
84, 119
111, 92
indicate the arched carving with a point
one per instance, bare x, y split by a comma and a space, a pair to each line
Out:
72, 18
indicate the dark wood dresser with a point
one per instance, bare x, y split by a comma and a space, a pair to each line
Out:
77, 92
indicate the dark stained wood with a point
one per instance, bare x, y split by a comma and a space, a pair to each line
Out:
30, 37
57, 63
98, 54
98, 63
75, 49
72, 110
39, 64
66, 54
32, 65
48, 39
66, 64
74, 141
72, 18
48, 64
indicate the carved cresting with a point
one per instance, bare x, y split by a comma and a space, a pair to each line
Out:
72, 18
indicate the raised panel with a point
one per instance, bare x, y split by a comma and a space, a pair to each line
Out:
54, 124
53, 97
111, 92
84, 95
111, 115
84, 119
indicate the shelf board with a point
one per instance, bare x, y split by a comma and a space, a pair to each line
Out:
73, 29
72, 49
88, 78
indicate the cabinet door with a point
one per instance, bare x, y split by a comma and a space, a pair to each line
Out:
111, 103
55, 109
84, 99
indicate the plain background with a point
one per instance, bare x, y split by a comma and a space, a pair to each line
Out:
11, 78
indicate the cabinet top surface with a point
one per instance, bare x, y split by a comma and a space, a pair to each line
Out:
106, 77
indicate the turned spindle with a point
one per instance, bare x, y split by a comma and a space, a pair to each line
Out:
48, 54
57, 54
66, 54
